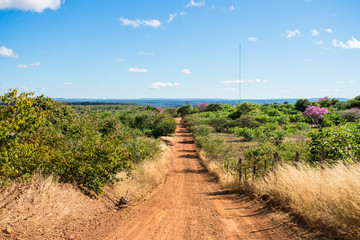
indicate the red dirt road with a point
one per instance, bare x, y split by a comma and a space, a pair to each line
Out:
192, 205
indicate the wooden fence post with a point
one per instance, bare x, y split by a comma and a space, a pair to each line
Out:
322, 160
254, 171
240, 169
297, 159
265, 167
276, 161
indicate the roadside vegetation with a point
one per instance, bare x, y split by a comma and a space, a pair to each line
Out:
51, 154
325, 137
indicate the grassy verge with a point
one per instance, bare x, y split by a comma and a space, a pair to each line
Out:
43, 207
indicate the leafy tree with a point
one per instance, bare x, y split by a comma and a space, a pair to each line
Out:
301, 104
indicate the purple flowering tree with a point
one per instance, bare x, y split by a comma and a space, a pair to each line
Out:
202, 106
159, 109
351, 115
315, 113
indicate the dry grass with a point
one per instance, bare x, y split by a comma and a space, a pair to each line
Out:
326, 198
45, 206
145, 178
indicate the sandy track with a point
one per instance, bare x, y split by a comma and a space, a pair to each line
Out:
191, 205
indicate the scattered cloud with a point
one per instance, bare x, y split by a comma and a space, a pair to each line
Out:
307, 60
291, 34
117, 59
244, 81
68, 83
171, 17
138, 70
7, 52
315, 32
232, 8
183, 13
320, 42
353, 43
34, 64
351, 81
252, 39
328, 30
145, 53
192, 3
22, 66
31, 5
158, 85
186, 71
137, 23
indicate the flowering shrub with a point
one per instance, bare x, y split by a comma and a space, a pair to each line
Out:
322, 99
202, 106
351, 115
159, 109
315, 112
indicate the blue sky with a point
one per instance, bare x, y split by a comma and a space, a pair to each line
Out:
180, 49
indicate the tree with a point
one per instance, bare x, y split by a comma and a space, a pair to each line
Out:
301, 104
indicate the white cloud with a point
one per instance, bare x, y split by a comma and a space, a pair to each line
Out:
158, 85
232, 8
68, 83
183, 13
137, 23
146, 53
244, 81
192, 3
186, 71
328, 30
7, 52
229, 89
117, 59
315, 32
291, 34
307, 60
152, 23
22, 66
31, 5
320, 42
171, 17
252, 39
34, 64
137, 70
353, 43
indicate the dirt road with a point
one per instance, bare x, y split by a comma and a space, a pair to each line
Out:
191, 205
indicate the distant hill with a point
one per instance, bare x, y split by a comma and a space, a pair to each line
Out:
177, 102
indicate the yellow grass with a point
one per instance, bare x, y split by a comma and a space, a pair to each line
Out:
326, 198
45, 205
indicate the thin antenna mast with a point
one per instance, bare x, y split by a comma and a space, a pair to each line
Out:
239, 73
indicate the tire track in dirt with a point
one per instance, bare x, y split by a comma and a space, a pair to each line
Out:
192, 205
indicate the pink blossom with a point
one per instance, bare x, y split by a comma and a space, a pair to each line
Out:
202, 106
159, 109
315, 112
324, 98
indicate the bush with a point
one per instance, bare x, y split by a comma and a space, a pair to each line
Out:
164, 125
201, 130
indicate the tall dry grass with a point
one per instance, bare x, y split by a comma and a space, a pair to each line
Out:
46, 206
328, 198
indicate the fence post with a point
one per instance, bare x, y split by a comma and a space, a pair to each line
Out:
240, 169
265, 167
276, 161
254, 171
297, 159
322, 160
